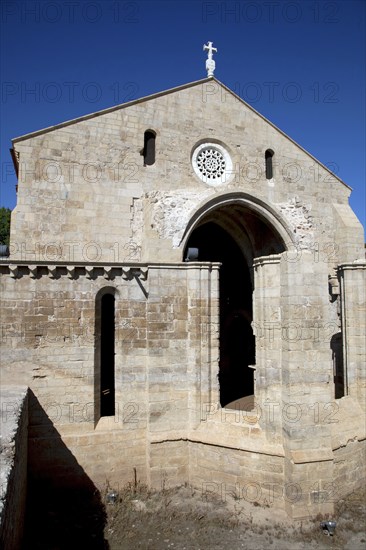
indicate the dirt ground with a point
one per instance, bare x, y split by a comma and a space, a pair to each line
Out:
180, 519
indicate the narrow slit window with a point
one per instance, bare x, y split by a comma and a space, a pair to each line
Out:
338, 367
269, 164
149, 147
107, 344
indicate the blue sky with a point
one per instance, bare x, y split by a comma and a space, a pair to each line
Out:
299, 63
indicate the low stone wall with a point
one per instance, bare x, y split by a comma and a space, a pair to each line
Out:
13, 464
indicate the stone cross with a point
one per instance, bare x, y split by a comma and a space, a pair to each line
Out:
210, 63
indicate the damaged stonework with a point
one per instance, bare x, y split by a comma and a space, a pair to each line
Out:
172, 212
13, 464
299, 219
137, 223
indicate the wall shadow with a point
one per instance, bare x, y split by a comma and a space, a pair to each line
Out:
64, 508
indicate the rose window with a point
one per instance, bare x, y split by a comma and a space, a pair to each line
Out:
212, 163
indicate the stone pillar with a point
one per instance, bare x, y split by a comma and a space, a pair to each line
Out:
307, 404
182, 327
209, 394
267, 331
353, 319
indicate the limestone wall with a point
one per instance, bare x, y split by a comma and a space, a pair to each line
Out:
164, 323
168, 423
91, 218
13, 464
84, 193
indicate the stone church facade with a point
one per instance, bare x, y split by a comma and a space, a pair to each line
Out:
185, 296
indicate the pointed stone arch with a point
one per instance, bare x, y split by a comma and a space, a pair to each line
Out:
235, 230
241, 201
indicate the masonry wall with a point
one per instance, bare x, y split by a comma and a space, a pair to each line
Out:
162, 363
13, 464
168, 424
84, 193
50, 336
91, 218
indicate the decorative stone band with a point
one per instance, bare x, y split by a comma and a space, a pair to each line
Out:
357, 264
36, 270
73, 271
271, 259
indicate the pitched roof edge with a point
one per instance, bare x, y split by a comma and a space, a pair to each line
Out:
281, 132
165, 92
111, 109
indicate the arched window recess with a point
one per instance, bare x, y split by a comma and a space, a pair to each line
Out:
148, 151
269, 163
104, 375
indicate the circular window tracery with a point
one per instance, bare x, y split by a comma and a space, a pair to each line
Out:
212, 163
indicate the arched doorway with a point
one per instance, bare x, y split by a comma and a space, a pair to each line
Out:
234, 235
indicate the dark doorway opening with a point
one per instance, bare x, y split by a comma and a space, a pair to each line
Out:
237, 345
107, 339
